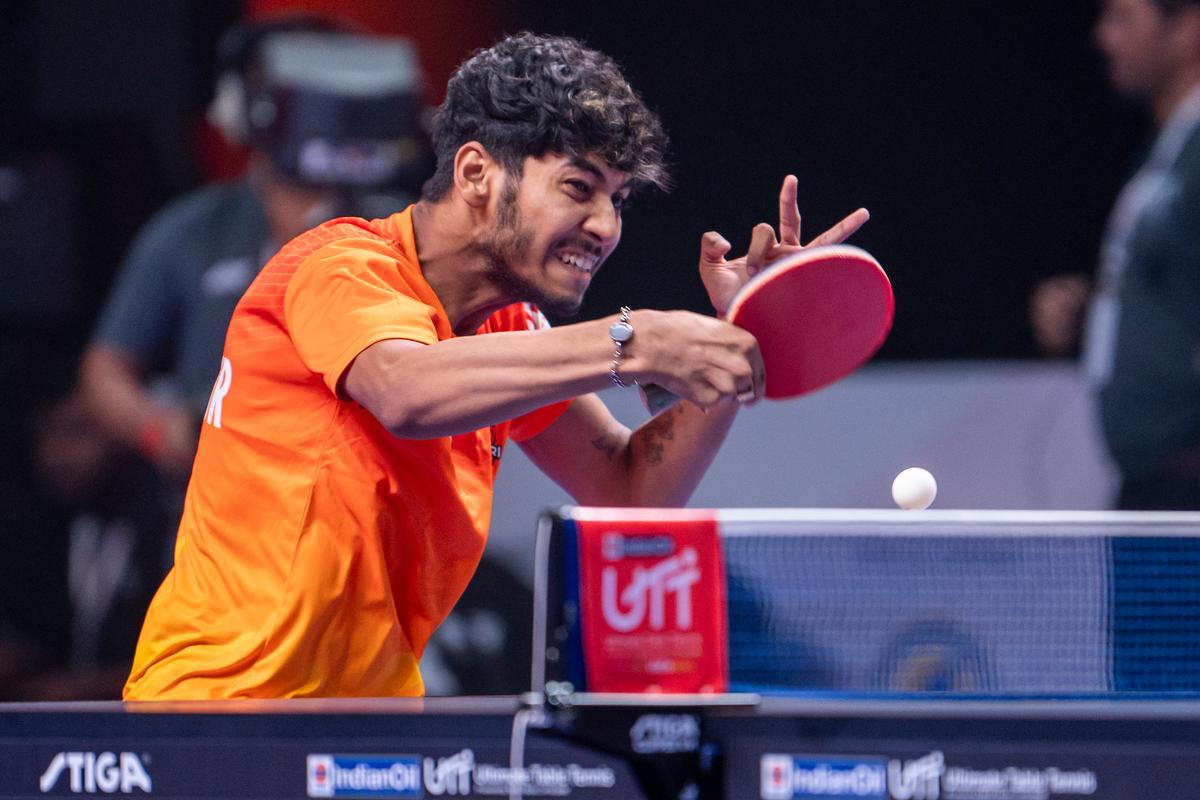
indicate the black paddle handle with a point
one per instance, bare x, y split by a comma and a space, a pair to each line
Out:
657, 399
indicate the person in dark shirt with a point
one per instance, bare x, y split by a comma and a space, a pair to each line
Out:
1142, 343
280, 96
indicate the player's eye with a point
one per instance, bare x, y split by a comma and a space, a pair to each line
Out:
583, 188
621, 202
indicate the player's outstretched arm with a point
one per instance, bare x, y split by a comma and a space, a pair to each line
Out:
423, 391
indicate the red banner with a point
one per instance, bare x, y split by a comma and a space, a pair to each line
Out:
652, 604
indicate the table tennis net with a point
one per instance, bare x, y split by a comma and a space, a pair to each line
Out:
985, 610
974, 615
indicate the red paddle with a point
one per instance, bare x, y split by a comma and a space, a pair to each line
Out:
818, 315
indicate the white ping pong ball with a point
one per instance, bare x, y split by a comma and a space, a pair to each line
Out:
914, 489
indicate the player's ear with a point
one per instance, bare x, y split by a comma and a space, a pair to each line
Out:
474, 173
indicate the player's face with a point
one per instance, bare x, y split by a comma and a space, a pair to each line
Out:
1135, 37
553, 229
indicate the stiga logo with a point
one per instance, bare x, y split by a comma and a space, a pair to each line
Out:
97, 772
665, 733
364, 776
785, 777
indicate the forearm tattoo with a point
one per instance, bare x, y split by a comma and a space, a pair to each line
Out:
657, 431
607, 443
651, 438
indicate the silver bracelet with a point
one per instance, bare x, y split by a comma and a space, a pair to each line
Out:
620, 332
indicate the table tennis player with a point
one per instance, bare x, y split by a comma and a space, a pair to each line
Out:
374, 372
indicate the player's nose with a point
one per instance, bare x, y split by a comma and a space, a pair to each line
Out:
604, 223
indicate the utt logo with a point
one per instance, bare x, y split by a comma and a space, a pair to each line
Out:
450, 774
626, 609
93, 772
919, 779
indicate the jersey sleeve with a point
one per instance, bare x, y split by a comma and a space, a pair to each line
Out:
531, 424
345, 297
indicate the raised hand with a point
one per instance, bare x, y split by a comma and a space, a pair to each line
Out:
723, 277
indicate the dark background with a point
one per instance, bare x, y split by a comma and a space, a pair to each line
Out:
981, 135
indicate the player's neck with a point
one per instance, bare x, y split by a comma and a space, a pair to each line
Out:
454, 266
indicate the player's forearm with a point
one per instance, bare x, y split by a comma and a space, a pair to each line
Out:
666, 458
471, 382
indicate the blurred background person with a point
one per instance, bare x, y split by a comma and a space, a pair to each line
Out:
319, 112
34, 602
1141, 349
332, 123
89, 143
105, 541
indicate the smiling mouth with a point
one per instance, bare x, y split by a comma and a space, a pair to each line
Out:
581, 262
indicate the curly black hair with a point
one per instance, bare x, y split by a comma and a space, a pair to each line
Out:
532, 94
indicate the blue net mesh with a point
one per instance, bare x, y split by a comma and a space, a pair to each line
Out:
1154, 614
974, 615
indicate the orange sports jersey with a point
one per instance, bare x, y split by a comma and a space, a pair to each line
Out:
317, 552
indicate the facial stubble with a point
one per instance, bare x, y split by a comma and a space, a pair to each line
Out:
509, 243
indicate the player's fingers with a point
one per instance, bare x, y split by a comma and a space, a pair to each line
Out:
844, 229
748, 372
701, 388
758, 373
713, 247
729, 383
762, 240
789, 212
749, 389
736, 370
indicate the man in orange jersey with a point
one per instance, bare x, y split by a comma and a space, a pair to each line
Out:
373, 371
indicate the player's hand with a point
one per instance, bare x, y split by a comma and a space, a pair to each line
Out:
723, 277
1056, 310
696, 357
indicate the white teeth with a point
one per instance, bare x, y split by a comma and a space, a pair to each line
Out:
580, 262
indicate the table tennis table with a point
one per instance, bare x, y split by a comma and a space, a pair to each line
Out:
995, 734
724, 746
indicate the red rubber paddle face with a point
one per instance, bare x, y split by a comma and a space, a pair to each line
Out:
818, 315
